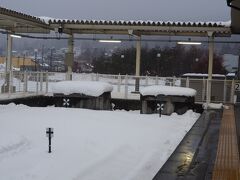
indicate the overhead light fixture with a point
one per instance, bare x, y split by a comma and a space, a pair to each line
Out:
189, 43
109, 41
130, 31
15, 36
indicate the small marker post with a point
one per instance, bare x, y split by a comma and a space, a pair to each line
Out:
161, 109
49, 134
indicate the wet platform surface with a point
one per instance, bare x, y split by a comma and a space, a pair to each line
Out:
226, 165
194, 158
237, 118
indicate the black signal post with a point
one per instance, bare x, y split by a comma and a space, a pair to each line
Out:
49, 134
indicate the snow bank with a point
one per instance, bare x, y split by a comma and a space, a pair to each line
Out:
203, 75
213, 106
3, 67
87, 144
167, 90
90, 88
231, 74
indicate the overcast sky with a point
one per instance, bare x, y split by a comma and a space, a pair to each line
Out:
155, 10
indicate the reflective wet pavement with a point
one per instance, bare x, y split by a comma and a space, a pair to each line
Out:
194, 158
237, 117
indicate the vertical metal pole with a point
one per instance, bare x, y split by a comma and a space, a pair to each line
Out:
97, 77
24, 62
37, 79
126, 87
25, 82
187, 82
51, 60
70, 51
238, 72
8, 70
210, 66
224, 91
35, 53
41, 81
42, 67
119, 83
50, 143
46, 82
92, 75
138, 60
232, 91
156, 80
146, 80
204, 90
9, 53
18, 62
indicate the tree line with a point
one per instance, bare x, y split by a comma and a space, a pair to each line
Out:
167, 61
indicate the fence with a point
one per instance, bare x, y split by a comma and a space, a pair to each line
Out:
25, 82
223, 91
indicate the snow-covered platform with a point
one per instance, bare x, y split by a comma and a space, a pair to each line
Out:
92, 144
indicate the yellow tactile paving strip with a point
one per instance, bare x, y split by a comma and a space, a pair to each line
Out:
227, 161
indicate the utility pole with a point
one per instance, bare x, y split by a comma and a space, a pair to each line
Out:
51, 59
35, 53
69, 57
138, 61
42, 57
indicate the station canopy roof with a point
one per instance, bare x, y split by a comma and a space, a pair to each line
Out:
21, 23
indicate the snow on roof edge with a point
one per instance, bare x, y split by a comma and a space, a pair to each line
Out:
150, 22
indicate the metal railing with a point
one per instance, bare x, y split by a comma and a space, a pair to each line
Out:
223, 90
25, 82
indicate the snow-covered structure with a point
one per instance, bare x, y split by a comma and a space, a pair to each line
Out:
169, 98
230, 62
201, 76
83, 94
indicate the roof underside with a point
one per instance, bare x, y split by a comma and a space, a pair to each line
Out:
22, 23
141, 28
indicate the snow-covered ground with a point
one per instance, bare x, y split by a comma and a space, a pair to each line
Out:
87, 144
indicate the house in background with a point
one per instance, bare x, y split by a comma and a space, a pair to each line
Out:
23, 63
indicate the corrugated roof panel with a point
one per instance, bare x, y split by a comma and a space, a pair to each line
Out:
21, 15
151, 26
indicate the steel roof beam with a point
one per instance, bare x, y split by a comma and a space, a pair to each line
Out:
144, 30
